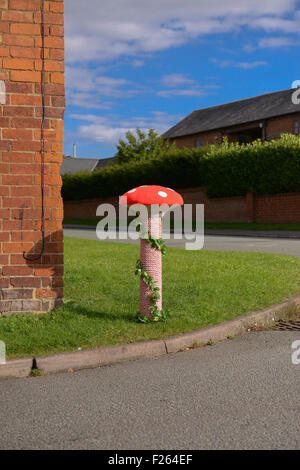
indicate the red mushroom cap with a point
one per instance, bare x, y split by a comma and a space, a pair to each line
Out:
152, 194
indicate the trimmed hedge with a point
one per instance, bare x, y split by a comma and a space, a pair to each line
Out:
225, 170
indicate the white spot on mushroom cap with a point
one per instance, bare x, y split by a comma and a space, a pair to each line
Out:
162, 194
131, 191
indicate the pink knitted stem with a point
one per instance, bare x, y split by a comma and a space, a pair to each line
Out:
151, 260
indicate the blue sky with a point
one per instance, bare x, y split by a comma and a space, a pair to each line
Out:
135, 63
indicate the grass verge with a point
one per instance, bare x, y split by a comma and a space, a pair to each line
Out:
200, 288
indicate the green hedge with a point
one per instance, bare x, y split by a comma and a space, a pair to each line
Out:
226, 170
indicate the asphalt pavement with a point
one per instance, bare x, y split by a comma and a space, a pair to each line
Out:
286, 246
239, 394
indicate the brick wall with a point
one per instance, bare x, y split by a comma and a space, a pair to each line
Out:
274, 127
191, 140
221, 209
28, 284
278, 208
86, 208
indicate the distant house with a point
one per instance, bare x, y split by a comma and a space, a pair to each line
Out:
264, 117
74, 164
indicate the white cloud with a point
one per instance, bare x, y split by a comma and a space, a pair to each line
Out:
276, 42
278, 24
251, 65
138, 63
89, 88
108, 130
83, 80
175, 79
184, 92
181, 85
107, 30
239, 65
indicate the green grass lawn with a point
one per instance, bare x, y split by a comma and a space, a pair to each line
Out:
200, 288
211, 225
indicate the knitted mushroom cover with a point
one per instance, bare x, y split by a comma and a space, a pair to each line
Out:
150, 195
151, 260
151, 257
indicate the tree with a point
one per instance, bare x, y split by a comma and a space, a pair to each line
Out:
140, 146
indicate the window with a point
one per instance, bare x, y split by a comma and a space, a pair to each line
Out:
296, 127
199, 143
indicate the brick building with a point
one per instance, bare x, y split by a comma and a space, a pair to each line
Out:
265, 117
31, 136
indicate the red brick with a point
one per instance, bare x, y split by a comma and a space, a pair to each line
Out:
26, 123
19, 111
4, 145
17, 40
49, 18
26, 100
26, 146
25, 191
9, 294
17, 180
23, 76
4, 259
30, 5
17, 16
16, 202
25, 88
4, 51
27, 29
57, 78
4, 236
55, 90
26, 168
16, 247
4, 27
17, 134
57, 30
4, 122
4, 283
26, 52
57, 54
28, 281
4, 190
50, 42
17, 271
18, 64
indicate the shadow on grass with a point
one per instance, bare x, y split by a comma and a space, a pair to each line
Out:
75, 308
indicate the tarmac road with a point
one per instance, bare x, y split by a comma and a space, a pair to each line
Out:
284, 246
239, 394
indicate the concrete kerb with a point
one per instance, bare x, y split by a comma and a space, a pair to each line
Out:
16, 368
147, 349
100, 357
